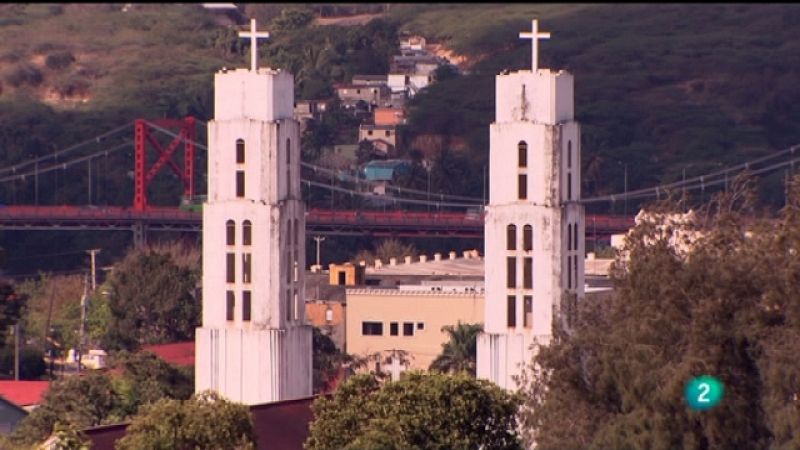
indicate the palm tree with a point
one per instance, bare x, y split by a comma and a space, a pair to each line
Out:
458, 354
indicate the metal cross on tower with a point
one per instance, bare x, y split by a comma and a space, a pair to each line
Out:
534, 36
254, 36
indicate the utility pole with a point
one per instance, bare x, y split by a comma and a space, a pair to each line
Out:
84, 301
92, 253
318, 239
16, 351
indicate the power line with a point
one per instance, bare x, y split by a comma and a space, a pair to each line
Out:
65, 164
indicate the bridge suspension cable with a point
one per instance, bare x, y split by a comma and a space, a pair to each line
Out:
14, 168
65, 164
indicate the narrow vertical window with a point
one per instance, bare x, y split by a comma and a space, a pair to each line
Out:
247, 233
575, 236
511, 272
295, 267
511, 312
230, 267
240, 183
527, 238
240, 151
569, 154
569, 237
296, 233
246, 305
527, 311
522, 186
393, 329
288, 264
288, 305
522, 154
230, 300
527, 273
296, 303
511, 237
575, 269
230, 232
288, 166
569, 186
246, 258
569, 272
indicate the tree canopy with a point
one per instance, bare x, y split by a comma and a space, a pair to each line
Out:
727, 307
421, 410
152, 300
206, 420
459, 353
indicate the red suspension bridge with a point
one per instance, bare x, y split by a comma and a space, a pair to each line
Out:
152, 154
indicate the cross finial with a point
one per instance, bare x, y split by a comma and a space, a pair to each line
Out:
534, 36
253, 35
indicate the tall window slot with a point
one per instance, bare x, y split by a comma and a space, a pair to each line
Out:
247, 233
511, 272
230, 267
230, 232
246, 258
569, 236
511, 237
511, 312
240, 183
527, 273
522, 154
288, 166
240, 151
246, 305
569, 154
569, 186
575, 236
569, 272
527, 311
230, 300
522, 186
527, 238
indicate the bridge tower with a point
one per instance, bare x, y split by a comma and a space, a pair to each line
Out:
253, 346
534, 226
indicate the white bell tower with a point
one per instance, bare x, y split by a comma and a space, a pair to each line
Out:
253, 346
534, 232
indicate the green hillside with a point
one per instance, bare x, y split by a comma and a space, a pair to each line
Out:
661, 89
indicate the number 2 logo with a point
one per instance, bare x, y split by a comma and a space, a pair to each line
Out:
704, 390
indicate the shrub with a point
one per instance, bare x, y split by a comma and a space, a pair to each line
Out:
24, 74
59, 60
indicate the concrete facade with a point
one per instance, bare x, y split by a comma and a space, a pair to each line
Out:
534, 233
253, 345
411, 320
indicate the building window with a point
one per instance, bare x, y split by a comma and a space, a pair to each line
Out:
240, 183
569, 237
522, 154
393, 329
527, 238
511, 315
575, 236
511, 272
420, 326
240, 151
569, 272
369, 132
247, 233
575, 269
246, 305
527, 273
569, 186
230, 232
296, 299
288, 304
230, 267
288, 151
230, 299
569, 154
329, 315
246, 258
511, 237
289, 266
527, 310
522, 186
372, 328
408, 328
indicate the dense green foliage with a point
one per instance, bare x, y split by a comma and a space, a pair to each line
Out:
205, 420
152, 300
728, 308
11, 307
327, 361
421, 410
96, 398
459, 353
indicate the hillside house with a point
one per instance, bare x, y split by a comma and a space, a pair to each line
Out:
369, 80
389, 116
376, 133
351, 94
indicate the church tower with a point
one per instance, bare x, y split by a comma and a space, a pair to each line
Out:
534, 230
253, 346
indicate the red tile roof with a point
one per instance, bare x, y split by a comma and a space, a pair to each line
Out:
23, 393
176, 353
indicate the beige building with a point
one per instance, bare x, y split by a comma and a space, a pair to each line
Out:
409, 318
